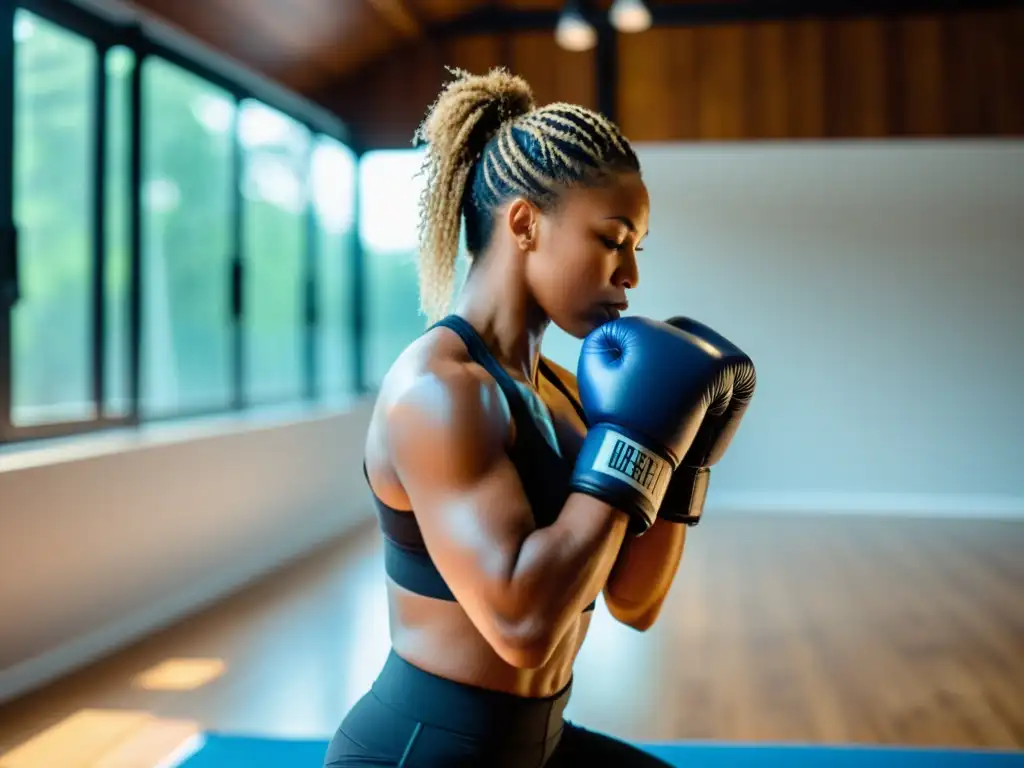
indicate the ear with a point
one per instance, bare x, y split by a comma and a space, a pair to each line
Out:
522, 221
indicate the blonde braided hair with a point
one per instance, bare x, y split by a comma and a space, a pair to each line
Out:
487, 141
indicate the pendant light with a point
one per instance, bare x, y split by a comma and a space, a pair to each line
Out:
629, 16
574, 32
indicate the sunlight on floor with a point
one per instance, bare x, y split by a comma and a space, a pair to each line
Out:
180, 674
96, 738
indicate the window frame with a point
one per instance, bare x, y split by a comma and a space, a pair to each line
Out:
146, 38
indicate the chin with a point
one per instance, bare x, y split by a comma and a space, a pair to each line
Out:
581, 327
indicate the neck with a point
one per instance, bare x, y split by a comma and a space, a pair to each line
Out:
496, 303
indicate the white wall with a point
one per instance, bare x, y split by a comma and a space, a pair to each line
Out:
106, 538
878, 287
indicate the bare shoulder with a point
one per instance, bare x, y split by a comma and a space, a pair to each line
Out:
440, 406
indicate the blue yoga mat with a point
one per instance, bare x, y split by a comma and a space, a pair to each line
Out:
226, 751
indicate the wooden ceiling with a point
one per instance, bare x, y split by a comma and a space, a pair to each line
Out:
308, 44
342, 54
311, 45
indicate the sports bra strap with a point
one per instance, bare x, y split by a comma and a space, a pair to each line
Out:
555, 379
482, 355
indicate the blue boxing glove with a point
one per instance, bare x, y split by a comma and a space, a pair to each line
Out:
645, 388
684, 499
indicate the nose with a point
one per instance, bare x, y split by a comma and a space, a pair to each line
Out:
627, 274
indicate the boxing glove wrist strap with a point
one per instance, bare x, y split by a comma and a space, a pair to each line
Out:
684, 499
615, 466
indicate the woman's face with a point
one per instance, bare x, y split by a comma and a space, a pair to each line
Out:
584, 256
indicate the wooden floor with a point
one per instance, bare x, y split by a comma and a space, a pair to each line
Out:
793, 629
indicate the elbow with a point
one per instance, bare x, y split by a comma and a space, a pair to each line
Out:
640, 622
525, 656
637, 616
528, 644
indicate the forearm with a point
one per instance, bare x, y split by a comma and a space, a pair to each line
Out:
644, 571
561, 568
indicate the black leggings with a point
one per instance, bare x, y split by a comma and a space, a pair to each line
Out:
413, 718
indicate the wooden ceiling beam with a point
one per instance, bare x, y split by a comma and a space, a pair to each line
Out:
398, 15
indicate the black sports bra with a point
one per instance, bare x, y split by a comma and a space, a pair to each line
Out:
544, 474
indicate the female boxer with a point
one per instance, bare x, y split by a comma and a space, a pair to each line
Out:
496, 544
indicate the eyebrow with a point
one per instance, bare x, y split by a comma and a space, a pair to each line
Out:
627, 221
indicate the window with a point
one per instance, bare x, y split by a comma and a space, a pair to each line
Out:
390, 187
388, 216
275, 195
187, 243
333, 187
54, 177
231, 184
120, 63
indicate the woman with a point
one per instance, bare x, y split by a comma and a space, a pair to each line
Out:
493, 565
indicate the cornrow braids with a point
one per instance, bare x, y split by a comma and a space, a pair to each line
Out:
487, 143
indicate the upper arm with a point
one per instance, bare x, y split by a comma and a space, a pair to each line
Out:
447, 436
